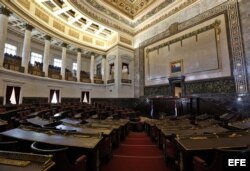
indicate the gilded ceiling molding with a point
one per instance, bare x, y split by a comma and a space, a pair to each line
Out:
170, 13
96, 5
230, 9
130, 8
132, 24
57, 29
94, 16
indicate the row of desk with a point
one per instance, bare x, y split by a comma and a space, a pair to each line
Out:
191, 138
88, 138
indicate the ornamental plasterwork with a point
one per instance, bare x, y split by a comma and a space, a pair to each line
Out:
132, 7
238, 59
82, 7
238, 55
116, 16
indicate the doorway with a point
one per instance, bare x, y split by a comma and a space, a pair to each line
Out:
177, 89
177, 86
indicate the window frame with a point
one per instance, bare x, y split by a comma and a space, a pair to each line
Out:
7, 49
35, 56
56, 62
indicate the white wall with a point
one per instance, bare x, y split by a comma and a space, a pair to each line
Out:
34, 86
117, 55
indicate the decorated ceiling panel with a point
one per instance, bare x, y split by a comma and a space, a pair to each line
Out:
131, 8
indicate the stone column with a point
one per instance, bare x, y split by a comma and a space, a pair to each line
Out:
4, 14
46, 55
103, 68
26, 48
64, 54
79, 64
92, 67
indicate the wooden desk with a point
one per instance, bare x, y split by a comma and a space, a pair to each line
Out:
84, 130
120, 127
37, 121
88, 144
35, 114
193, 131
209, 142
6, 115
71, 121
194, 145
245, 124
50, 138
37, 162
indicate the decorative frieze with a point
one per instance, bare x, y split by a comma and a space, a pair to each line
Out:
58, 26
73, 33
99, 43
42, 15
24, 3
167, 15
87, 39
126, 41
239, 69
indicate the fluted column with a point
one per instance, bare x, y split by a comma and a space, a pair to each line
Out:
79, 64
103, 68
26, 48
4, 14
46, 55
92, 67
64, 54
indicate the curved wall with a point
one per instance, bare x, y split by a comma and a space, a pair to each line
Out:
39, 87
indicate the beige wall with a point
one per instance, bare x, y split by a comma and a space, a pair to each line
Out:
203, 58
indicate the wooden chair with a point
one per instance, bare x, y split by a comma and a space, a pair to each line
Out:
220, 161
60, 157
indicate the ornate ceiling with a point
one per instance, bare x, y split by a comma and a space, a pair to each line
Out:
96, 23
130, 8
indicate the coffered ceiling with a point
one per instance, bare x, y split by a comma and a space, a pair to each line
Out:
131, 8
96, 23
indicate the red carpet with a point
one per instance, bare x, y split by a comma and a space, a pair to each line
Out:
137, 153
138, 141
138, 150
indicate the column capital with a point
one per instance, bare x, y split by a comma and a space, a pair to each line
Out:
29, 27
64, 45
92, 54
79, 50
4, 11
47, 37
